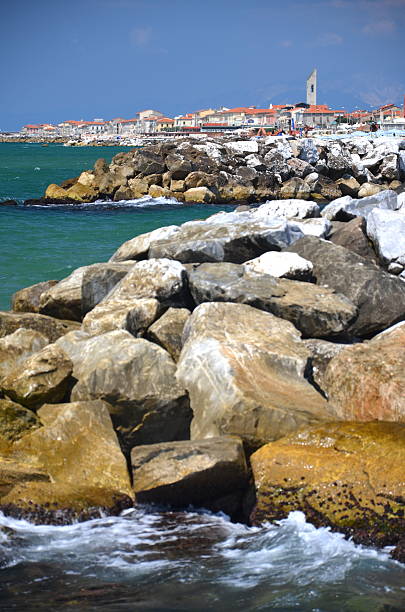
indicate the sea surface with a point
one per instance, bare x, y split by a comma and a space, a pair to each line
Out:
149, 558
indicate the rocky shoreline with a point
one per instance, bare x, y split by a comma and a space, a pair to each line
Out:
223, 170
250, 363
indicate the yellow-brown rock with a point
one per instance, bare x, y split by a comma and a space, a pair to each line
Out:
346, 475
48, 326
366, 381
15, 420
155, 191
72, 463
28, 298
201, 195
82, 193
43, 377
17, 347
54, 192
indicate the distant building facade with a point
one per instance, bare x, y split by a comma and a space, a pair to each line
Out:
311, 87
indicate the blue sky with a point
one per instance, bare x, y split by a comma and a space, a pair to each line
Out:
82, 59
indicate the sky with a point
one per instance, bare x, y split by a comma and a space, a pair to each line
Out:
86, 59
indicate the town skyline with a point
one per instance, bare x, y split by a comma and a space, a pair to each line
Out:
94, 57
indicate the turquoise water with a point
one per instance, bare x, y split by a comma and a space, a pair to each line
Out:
43, 243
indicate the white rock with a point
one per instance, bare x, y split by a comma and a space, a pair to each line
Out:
289, 208
360, 207
401, 202
386, 229
243, 146
253, 161
314, 227
281, 265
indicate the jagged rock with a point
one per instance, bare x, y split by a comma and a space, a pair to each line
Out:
155, 191
366, 382
15, 421
64, 300
299, 167
314, 227
349, 186
327, 188
82, 193
168, 329
87, 179
43, 377
389, 168
123, 193
48, 326
177, 185
352, 235
146, 162
178, 167
322, 352
201, 179
370, 189
28, 299
236, 192
205, 473
138, 247
290, 208
134, 303
308, 151
138, 187
243, 369
199, 194
72, 464
243, 146
338, 162
346, 208
379, 297
348, 476
137, 378
316, 312
225, 238
99, 279
16, 347
386, 229
277, 165
281, 265
54, 192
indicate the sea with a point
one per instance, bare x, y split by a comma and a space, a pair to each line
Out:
151, 558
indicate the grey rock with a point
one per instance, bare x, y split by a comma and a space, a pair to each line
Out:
168, 329
386, 229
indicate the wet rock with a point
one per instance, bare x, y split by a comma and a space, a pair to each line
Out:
28, 299
168, 329
17, 347
345, 475
243, 369
70, 468
54, 192
48, 326
137, 378
316, 312
352, 235
281, 265
204, 473
379, 297
16, 421
43, 377
365, 382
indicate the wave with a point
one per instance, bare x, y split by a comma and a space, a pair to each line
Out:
144, 202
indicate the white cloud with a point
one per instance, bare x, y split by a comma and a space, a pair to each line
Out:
379, 28
328, 39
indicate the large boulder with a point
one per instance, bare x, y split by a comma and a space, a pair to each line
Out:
64, 300
290, 208
138, 299
244, 371
346, 208
137, 378
352, 235
379, 297
17, 347
28, 299
48, 326
15, 421
209, 473
45, 377
71, 468
348, 476
202, 195
281, 265
168, 329
229, 237
295, 187
316, 311
365, 382
98, 280
138, 247
386, 229
322, 352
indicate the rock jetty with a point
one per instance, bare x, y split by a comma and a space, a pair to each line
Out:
252, 362
221, 170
